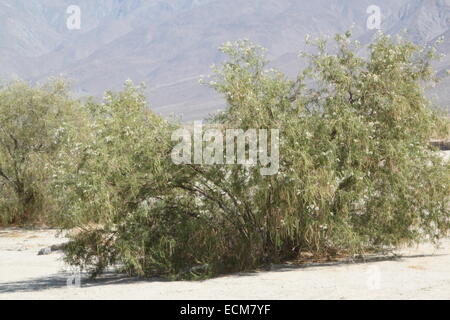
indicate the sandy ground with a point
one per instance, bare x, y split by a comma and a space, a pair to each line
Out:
421, 272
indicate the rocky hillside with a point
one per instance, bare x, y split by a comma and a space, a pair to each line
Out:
170, 43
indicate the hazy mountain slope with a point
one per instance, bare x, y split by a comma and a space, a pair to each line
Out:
424, 19
169, 43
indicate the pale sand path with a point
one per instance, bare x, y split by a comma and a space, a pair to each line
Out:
422, 273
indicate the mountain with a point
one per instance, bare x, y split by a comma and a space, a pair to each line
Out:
168, 44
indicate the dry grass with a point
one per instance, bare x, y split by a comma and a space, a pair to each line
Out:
444, 134
441, 137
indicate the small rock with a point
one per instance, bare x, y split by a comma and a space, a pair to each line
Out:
44, 252
49, 250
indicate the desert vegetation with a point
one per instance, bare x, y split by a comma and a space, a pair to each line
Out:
357, 172
34, 123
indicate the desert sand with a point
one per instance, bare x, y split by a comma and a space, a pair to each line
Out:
422, 272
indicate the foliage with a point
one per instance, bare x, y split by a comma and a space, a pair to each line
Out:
356, 169
33, 127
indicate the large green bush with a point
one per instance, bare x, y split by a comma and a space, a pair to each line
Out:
108, 178
34, 125
356, 169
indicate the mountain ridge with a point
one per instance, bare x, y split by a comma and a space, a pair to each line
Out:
169, 44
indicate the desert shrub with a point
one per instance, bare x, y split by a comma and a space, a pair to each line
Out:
356, 170
109, 177
33, 128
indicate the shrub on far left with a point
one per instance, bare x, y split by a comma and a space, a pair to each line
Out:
35, 123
